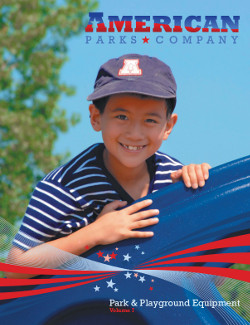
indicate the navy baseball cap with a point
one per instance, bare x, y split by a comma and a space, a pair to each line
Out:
134, 73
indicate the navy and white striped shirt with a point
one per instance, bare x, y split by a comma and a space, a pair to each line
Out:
72, 196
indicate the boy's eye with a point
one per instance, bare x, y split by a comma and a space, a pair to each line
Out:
149, 120
122, 117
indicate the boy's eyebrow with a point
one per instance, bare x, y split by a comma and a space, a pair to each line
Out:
120, 109
154, 114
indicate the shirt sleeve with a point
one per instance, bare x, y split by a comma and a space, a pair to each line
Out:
53, 212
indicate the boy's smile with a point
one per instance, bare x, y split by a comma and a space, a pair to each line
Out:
133, 129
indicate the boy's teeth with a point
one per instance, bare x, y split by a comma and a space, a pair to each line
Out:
133, 147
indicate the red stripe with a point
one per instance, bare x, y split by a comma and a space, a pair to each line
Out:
39, 271
18, 294
229, 273
243, 240
242, 258
22, 282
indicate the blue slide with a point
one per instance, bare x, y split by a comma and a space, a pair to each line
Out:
170, 278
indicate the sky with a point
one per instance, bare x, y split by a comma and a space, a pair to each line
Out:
212, 79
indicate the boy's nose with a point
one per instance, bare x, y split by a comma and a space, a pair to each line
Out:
135, 131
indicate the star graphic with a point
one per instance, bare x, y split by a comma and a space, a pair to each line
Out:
152, 280
86, 247
113, 255
115, 289
142, 253
128, 275
137, 247
151, 288
126, 257
145, 39
142, 279
96, 288
116, 248
135, 275
110, 284
100, 254
107, 258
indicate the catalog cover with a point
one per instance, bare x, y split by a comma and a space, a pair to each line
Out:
124, 162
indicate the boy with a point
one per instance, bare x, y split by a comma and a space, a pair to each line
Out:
133, 103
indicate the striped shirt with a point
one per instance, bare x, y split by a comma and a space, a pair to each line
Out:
72, 196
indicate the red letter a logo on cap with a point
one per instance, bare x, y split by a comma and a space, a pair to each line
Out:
130, 68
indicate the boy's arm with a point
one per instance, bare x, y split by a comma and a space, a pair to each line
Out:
192, 175
111, 226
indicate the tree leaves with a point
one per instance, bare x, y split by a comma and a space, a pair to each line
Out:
33, 50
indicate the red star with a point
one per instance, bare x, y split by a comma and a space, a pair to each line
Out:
87, 247
145, 39
100, 254
151, 288
113, 255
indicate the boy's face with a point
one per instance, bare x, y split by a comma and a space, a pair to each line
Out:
133, 128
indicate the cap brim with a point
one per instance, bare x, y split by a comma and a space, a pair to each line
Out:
131, 86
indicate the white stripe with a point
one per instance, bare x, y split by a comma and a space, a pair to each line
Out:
48, 175
166, 156
168, 164
84, 177
57, 172
49, 205
85, 163
96, 193
85, 221
66, 232
76, 216
88, 185
90, 202
29, 237
42, 223
163, 181
37, 231
165, 172
59, 189
58, 200
71, 165
21, 244
44, 213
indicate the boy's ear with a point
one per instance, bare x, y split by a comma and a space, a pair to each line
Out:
95, 117
169, 125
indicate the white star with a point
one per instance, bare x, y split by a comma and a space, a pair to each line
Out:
142, 279
126, 257
107, 258
96, 288
137, 247
142, 253
110, 284
115, 290
128, 275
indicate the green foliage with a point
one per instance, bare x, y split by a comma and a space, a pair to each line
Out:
33, 35
234, 290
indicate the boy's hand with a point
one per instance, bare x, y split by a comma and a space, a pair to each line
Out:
192, 175
112, 226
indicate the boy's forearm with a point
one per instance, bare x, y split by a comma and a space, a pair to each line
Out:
54, 253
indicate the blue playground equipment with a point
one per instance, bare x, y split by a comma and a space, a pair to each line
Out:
170, 278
